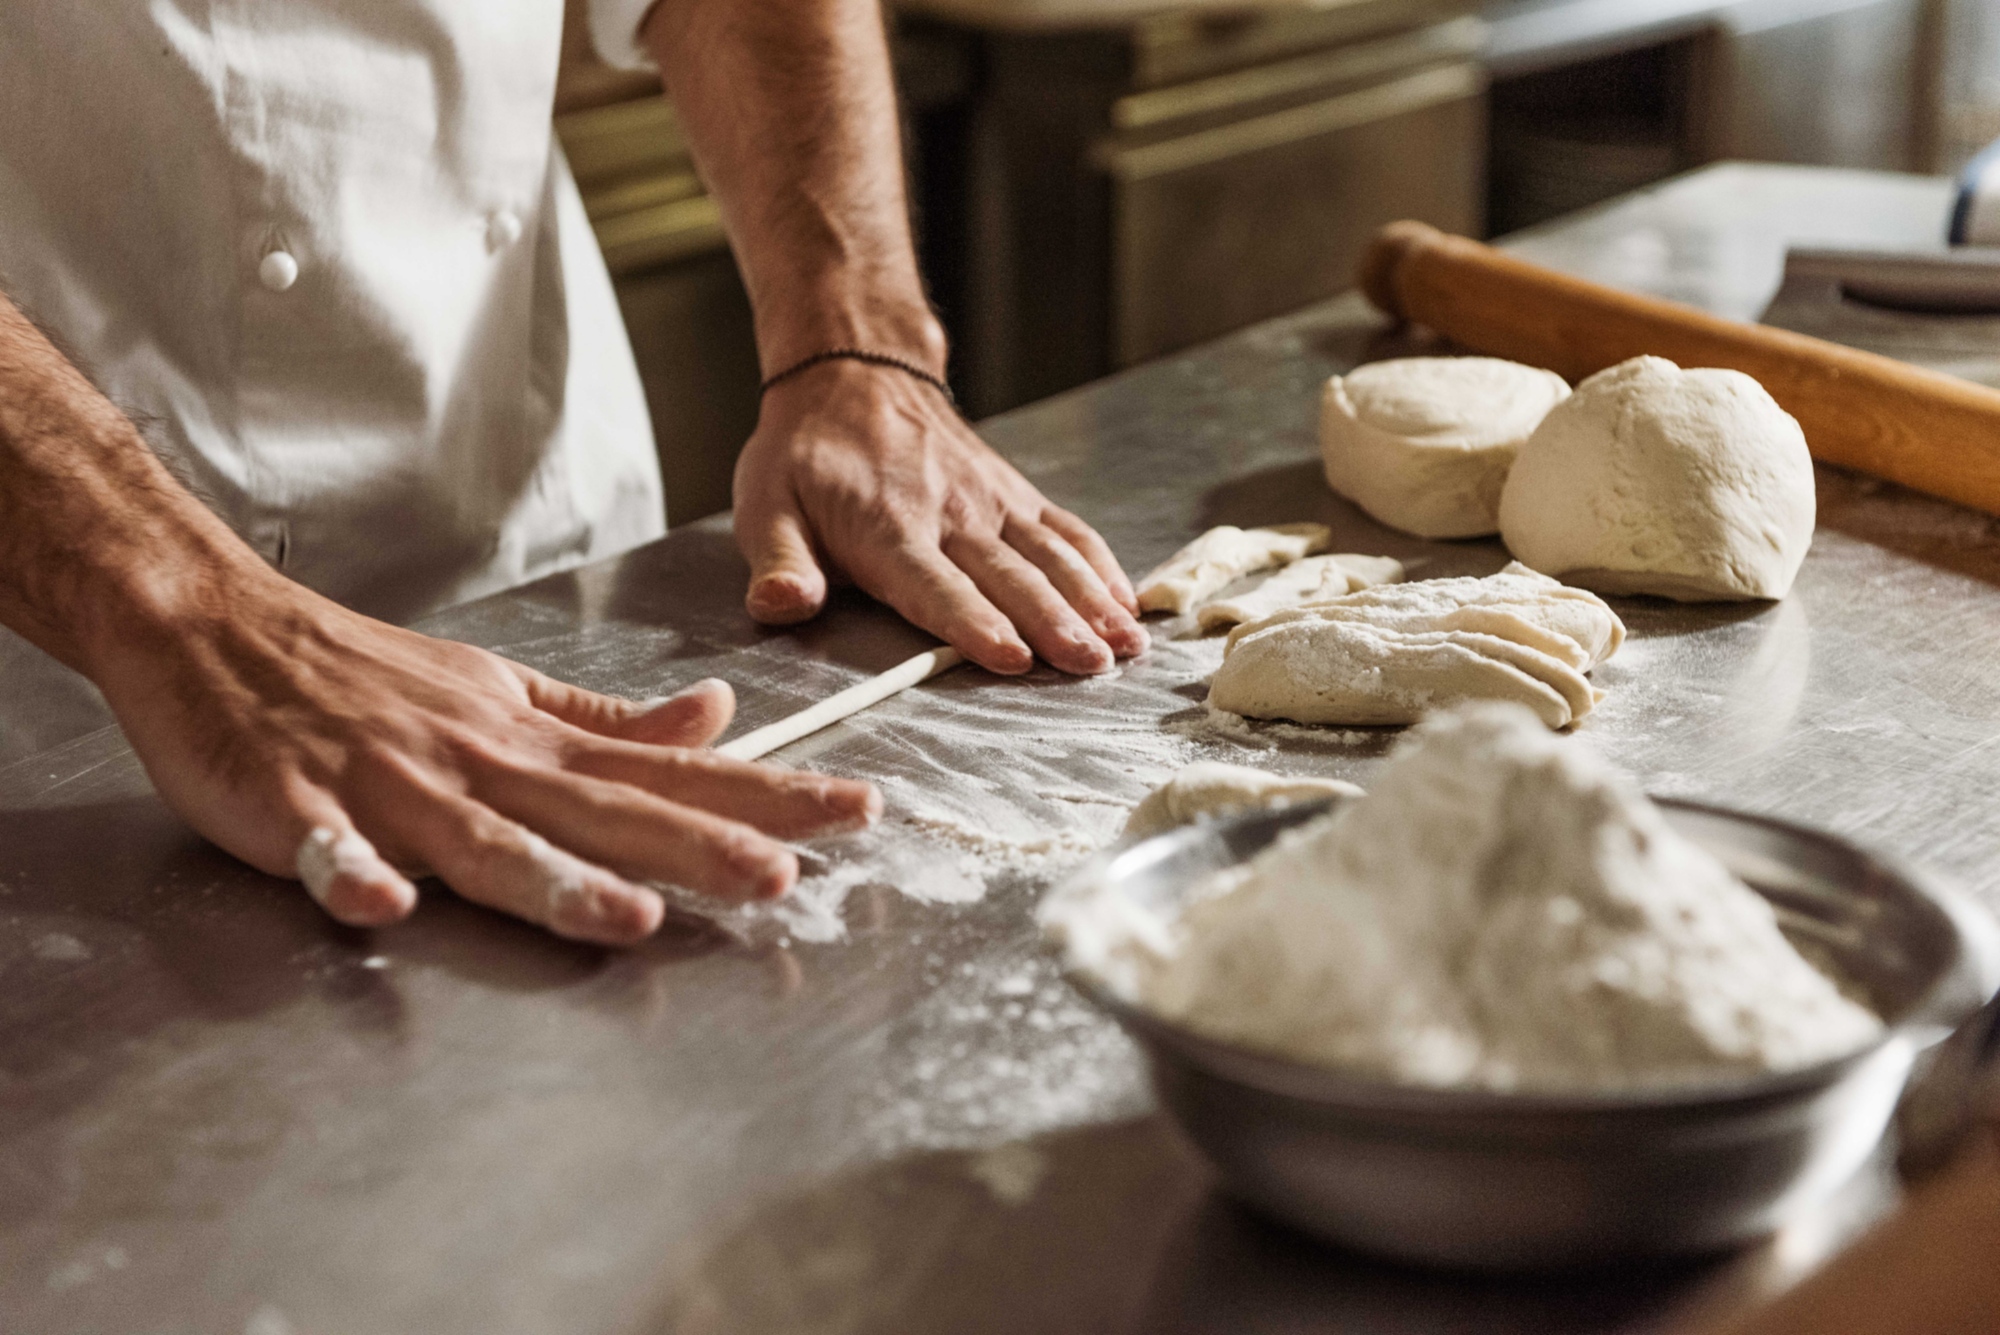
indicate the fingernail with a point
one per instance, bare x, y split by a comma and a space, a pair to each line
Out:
1090, 645
1126, 637
1014, 656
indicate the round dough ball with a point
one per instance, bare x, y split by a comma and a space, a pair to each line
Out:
1693, 485
1424, 443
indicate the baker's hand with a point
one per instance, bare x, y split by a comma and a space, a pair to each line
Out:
309, 740
865, 472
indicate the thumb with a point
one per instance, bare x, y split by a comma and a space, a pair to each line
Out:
786, 583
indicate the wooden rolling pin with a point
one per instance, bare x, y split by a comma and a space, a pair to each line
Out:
1924, 429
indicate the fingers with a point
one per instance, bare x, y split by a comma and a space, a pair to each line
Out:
1079, 584
790, 804
346, 876
639, 834
1025, 595
1093, 548
918, 581
786, 583
492, 860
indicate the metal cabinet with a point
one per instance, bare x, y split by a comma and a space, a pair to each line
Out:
1967, 81
1252, 211
1125, 192
1592, 98
1836, 83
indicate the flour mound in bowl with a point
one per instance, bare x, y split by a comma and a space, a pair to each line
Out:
1503, 910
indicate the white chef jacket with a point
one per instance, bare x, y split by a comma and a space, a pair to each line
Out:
327, 253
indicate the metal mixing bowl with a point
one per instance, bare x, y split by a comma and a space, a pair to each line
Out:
1479, 1178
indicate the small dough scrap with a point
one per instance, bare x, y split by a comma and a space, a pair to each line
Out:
1424, 444
1693, 485
1210, 787
1391, 654
1222, 555
1313, 580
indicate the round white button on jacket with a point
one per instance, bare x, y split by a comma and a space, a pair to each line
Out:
278, 271
503, 229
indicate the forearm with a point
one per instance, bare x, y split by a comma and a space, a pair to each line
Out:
95, 534
789, 108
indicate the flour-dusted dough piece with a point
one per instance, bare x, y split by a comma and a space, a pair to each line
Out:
1391, 654
1424, 443
1352, 673
1313, 580
1573, 625
1693, 485
1222, 555
1209, 787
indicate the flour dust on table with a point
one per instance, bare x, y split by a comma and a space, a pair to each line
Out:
982, 787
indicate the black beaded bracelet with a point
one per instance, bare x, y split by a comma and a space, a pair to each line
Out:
908, 368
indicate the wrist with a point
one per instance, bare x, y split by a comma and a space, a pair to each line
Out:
894, 325
172, 583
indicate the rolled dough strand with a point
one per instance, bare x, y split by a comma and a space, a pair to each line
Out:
762, 741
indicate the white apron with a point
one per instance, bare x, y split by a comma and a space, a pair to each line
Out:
327, 253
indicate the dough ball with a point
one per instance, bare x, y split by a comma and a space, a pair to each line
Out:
1424, 443
1210, 787
1693, 485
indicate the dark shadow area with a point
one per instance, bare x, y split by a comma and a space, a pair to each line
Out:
124, 935
1649, 618
1056, 1234
1230, 1271
1117, 1230
1349, 345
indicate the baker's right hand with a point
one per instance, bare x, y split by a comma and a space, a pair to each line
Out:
312, 741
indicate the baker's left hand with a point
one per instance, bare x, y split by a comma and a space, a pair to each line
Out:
866, 472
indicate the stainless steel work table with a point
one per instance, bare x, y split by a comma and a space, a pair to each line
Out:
220, 1113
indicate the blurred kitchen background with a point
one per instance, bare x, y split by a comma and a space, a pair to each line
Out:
1100, 182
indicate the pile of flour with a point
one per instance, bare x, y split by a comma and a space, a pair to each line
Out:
1502, 910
